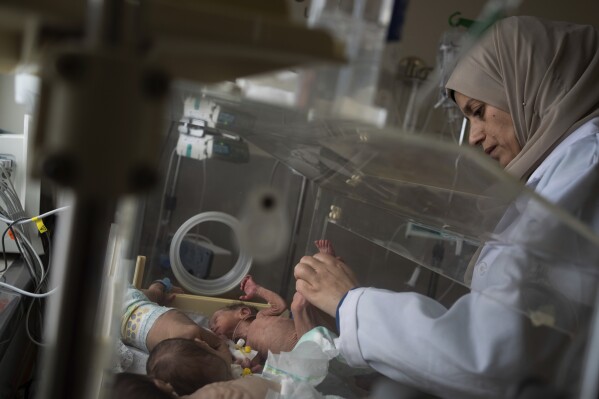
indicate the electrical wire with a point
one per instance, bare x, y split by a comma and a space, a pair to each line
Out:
27, 293
43, 215
26, 254
36, 256
28, 317
33, 300
13, 214
204, 184
3, 245
161, 210
30, 254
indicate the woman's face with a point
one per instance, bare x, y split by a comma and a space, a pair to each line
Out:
490, 128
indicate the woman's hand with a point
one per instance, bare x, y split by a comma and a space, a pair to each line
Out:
323, 280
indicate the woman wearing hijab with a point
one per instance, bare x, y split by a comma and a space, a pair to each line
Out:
530, 89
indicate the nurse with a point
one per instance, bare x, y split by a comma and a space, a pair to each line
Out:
530, 89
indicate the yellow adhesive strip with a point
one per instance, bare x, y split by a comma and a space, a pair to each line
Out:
40, 225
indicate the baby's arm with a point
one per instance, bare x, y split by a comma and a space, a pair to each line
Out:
162, 292
251, 289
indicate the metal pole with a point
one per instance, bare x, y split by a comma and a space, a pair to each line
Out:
98, 135
299, 212
67, 368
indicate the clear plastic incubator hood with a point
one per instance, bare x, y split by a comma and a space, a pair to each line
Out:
435, 203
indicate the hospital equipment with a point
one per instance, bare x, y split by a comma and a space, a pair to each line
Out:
367, 188
19, 194
130, 81
204, 286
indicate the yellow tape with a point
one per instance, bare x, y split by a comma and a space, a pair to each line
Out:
40, 225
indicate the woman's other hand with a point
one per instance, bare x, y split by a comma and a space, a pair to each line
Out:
323, 280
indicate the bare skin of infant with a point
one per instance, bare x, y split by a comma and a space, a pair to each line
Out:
268, 329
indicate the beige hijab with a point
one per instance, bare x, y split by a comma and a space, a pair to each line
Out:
544, 73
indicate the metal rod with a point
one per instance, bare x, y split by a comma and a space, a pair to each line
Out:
301, 202
66, 369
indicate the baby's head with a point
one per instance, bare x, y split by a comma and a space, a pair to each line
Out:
129, 385
224, 321
186, 365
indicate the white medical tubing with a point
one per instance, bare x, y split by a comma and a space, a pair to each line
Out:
27, 293
208, 287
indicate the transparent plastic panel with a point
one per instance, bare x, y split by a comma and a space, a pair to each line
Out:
445, 207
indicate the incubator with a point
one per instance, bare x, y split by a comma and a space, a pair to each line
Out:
407, 212
247, 184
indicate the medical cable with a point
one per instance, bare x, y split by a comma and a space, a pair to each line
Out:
24, 245
212, 286
36, 256
204, 179
416, 272
161, 209
42, 285
30, 254
3, 245
19, 317
203, 192
437, 260
28, 317
166, 141
13, 215
27, 293
26, 254
43, 215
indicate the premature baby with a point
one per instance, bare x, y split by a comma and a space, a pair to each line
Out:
268, 330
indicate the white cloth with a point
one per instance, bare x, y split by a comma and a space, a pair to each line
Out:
482, 344
304, 369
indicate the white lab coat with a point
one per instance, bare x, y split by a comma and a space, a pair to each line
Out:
482, 345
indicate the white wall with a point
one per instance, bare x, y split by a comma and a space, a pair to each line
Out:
11, 113
426, 20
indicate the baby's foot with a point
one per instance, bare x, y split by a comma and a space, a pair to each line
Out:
249, 286
325, 247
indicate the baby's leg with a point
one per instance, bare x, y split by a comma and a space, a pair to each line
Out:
303, 315
325, 247
318, 317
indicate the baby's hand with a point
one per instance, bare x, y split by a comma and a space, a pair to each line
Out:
168, 298
256, 368
249, 286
